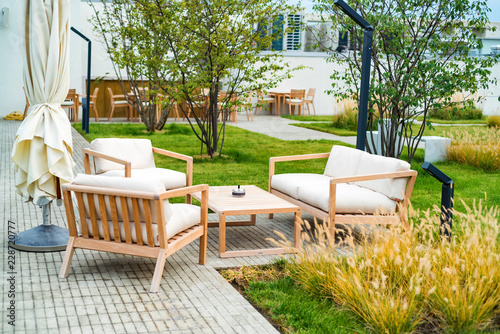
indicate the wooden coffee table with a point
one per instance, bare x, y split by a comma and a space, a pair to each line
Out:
256, 201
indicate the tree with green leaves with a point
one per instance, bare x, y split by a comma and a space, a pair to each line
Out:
421, 57
202, 56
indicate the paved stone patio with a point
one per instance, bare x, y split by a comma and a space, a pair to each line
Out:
108, 293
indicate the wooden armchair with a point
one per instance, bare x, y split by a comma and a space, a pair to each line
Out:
120, 157
356, 187
133, 216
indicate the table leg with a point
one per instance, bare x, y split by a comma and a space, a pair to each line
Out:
253, 219
222, 233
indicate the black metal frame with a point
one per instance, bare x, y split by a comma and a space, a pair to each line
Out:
365, 71
447, 193
86, 111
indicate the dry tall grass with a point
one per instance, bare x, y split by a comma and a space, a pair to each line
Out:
406, 281
480, 149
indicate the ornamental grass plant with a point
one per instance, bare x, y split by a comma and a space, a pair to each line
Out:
480, 149
493, 121
401, 281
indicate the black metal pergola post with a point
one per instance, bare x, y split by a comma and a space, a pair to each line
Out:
86, 110
365, 71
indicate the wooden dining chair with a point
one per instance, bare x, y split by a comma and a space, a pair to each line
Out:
263, 100
310, 100
93, 104
296, 98
166, 101
72, 103
118, 104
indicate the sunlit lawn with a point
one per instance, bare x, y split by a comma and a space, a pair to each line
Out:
246, 161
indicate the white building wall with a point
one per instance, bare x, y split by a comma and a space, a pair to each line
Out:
316, 75
11, 80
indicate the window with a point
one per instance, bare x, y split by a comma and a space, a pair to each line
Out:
293, 37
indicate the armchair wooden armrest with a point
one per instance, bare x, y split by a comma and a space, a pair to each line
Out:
87, 152
411, 174
188, 159
203, 188
370, 177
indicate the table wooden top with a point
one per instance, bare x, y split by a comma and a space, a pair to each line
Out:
279, 91
255, 201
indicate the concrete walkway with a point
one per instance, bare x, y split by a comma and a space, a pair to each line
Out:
108, 293
281, 128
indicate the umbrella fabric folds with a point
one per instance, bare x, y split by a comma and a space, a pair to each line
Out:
42, 152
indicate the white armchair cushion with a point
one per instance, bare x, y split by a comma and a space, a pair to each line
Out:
346, 161
343, 161
376, 164
124, 183
138, 151
170, 179
178, 217
289, 183
314, 189
349, 199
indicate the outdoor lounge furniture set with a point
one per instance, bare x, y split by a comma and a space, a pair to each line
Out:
124, 207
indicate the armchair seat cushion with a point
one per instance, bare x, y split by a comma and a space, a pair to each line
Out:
289, 183
171, 179
314, 189
350, 198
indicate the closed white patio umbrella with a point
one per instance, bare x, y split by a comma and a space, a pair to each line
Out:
42, 152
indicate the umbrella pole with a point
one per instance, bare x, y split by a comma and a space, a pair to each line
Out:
43, 238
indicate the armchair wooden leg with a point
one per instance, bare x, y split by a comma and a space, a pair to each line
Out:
68, 256
160, 265
203, 249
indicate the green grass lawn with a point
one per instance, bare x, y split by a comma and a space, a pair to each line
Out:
309, 118
435, 131
326, 127
246, 161
461, 121
298, 311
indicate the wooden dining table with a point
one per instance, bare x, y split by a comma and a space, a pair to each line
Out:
279, 96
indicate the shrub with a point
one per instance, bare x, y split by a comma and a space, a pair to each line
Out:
398, 280
460, 107
480, 149
456, 113
493, 121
